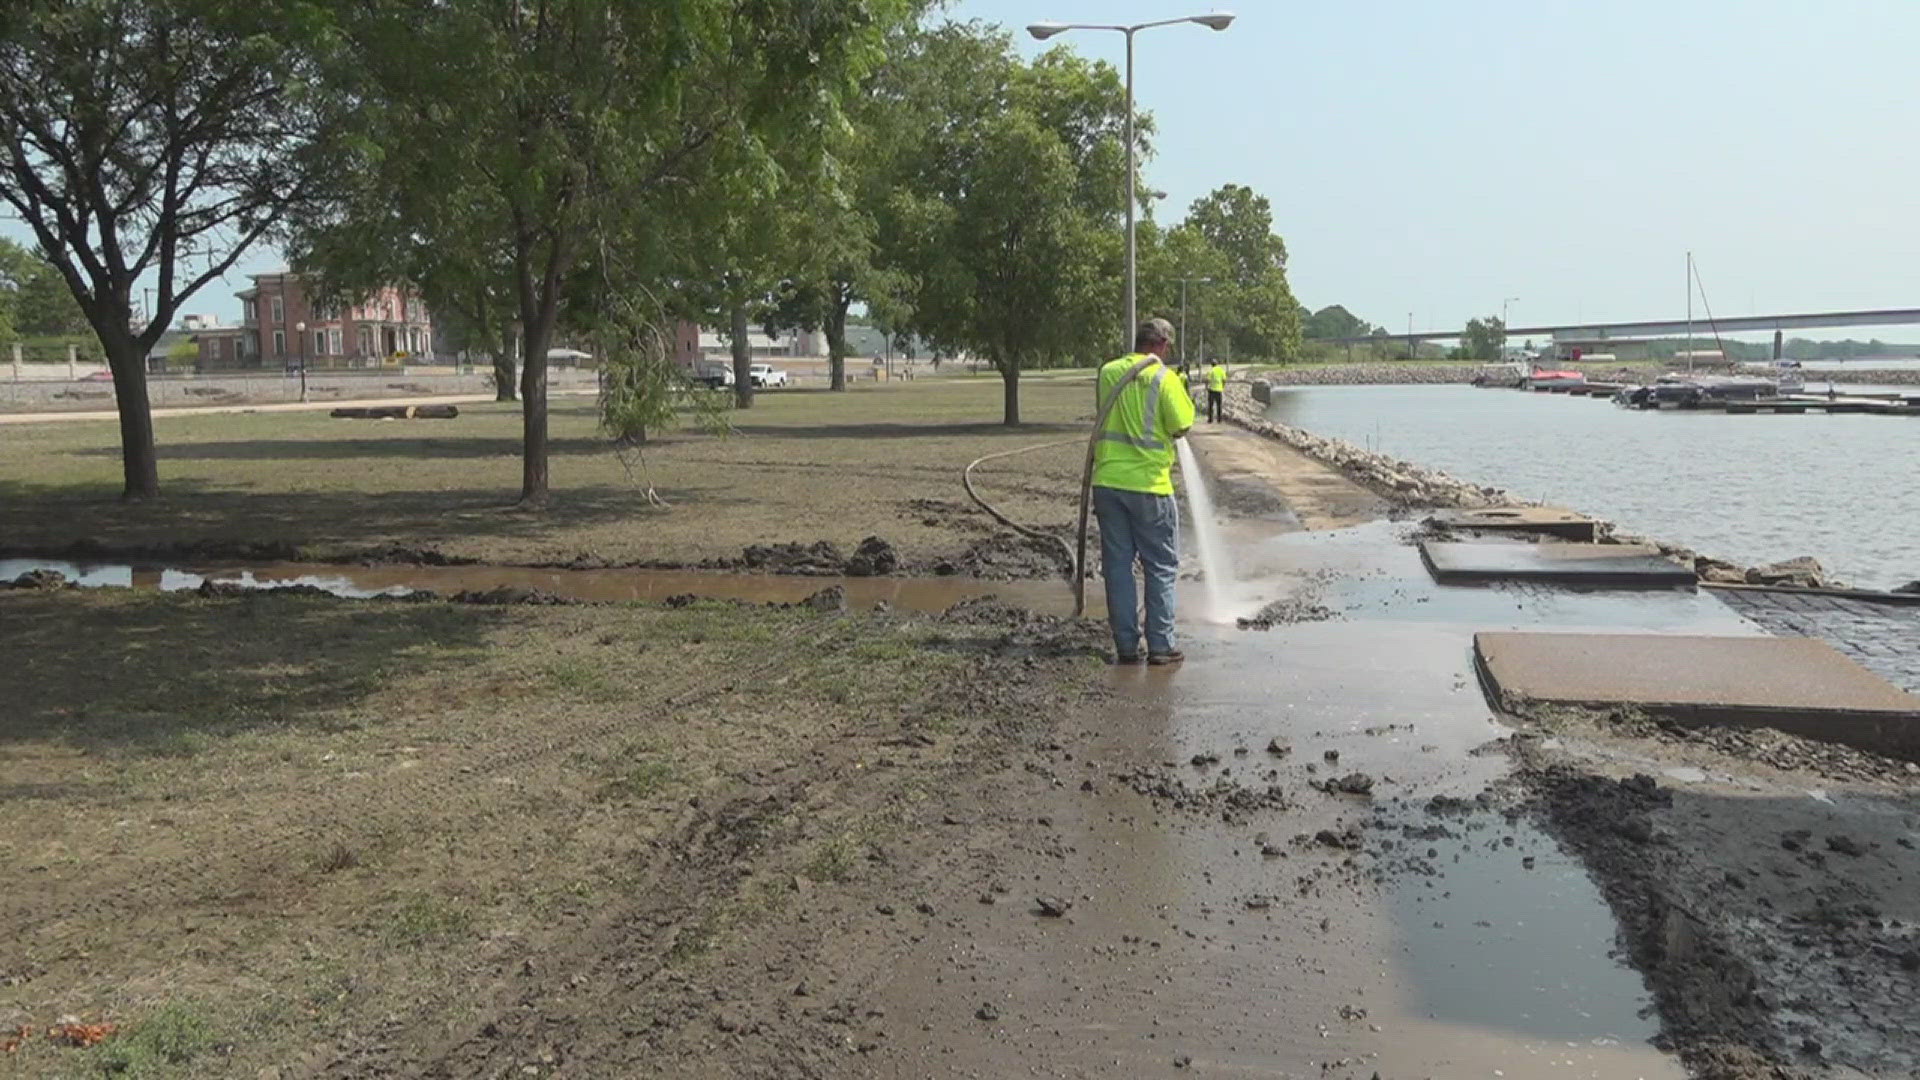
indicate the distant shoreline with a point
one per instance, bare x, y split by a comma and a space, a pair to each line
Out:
1388, 373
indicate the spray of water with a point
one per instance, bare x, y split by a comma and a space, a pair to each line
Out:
1216, 571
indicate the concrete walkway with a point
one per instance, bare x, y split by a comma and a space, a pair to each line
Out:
273, 407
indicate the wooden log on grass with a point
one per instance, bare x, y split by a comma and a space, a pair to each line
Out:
396, 412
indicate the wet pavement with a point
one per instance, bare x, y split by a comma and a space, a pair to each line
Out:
1343, 935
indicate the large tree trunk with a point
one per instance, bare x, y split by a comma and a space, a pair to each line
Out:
139, 465
533, 412
1010, 387
742, 356
837, 343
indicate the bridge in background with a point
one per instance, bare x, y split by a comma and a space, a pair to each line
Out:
1588, 333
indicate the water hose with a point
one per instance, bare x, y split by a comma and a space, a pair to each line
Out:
966, 478
1076, 555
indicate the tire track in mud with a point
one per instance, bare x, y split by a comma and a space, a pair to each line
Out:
622, 952
225, 863
608, 997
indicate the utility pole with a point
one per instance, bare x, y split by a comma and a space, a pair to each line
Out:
1183, 315
1689, 312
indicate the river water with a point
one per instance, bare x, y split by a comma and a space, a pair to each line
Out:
1751, 489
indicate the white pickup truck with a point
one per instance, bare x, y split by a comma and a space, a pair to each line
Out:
766, 376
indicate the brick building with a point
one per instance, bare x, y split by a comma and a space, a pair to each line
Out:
280, 328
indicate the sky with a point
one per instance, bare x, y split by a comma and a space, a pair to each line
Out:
1435, 159
1432, 159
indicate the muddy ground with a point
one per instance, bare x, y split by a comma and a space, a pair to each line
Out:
293, 836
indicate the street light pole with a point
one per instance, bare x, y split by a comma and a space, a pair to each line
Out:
1183, 314
1503, 323
300, 354
1041, 31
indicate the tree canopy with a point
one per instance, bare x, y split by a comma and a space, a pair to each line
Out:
548, 148
153, 140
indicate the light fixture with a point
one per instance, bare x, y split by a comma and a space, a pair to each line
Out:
1219, 20
1041, 31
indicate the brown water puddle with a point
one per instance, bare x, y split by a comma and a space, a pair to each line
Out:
927, 594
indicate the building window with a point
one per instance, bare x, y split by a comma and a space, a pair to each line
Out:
333, 341
320, 342
279, 310
366, 340
247, 310
279, 342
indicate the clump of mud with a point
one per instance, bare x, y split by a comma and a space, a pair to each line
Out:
820, 558
873, 558
1223, 798
1007, 557
1026, 633
1286, 612
408, 555
1765, 746
511, 594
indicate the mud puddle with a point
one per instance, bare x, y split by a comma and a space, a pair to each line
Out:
924, 594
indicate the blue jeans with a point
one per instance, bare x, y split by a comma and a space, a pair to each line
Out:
1136, 525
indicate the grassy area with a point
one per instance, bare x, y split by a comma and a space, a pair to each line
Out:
801, 466
244, 831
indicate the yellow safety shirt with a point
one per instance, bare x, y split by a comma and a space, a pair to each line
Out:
1217, 377
1135, 449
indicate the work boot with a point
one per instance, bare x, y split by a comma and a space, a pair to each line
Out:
1162, 659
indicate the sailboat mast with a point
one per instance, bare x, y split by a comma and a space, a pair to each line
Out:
1689, 312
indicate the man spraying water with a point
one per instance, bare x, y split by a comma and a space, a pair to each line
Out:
1133, 491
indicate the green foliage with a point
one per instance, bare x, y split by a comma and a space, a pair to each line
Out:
516, 145
1483, 339
1334, 321
34, 299
152, 140
1008, 218
1254, 308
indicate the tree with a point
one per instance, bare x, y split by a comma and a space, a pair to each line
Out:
363, 239
1483, 338
182, 354
152, 137
1254, 302
1335, 321
34, 299
1010, 219
559, 125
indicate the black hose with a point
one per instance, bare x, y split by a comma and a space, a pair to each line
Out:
1077, 555
966, 479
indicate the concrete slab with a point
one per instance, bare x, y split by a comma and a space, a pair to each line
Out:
1797, 685
1609, 565
1529, 520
